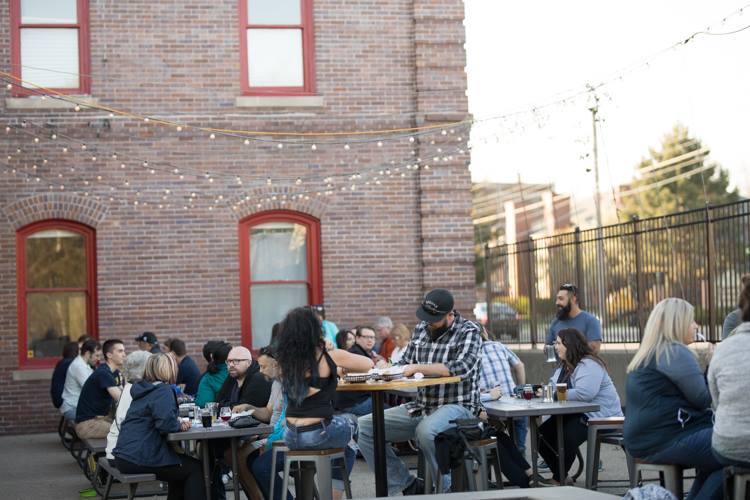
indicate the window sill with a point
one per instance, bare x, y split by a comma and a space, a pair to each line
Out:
36, 102
32, 374
279, 101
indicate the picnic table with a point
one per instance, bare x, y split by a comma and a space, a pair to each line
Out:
377, 389
509, 408
219, 431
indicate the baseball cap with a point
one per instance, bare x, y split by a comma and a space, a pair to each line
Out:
146, 337
435, 306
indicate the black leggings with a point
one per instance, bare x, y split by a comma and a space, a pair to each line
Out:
575, 432
185, 479
512, 463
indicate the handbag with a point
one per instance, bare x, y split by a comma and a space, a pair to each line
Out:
243, 422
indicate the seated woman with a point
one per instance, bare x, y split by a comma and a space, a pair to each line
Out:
142, 446
345, 339
728, 375
135, 364
216, 372
587, 379
668, 414
309, 380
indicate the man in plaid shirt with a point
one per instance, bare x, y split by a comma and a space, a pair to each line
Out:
443, 344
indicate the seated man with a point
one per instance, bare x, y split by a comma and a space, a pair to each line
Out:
245, 384
70, 353
359, 403
101, 390
501, 372
443, 344
78, 372
188, 373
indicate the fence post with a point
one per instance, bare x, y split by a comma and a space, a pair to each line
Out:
640, 290
579, 263
710, 253
487, 292
532, 291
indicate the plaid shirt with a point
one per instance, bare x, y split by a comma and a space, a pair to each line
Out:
497, 360
459, 350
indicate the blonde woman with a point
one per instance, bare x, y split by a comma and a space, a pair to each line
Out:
142, 445
668, 411
401, 336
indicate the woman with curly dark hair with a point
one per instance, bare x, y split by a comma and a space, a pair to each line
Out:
309, 379
585, 374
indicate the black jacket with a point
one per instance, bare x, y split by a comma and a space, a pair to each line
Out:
254, 391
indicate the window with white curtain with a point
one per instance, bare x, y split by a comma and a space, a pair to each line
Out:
50, 44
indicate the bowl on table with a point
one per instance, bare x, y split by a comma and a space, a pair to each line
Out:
356, 378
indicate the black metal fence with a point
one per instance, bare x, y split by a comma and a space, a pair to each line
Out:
622, 271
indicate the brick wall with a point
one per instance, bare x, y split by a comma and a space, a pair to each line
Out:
379, 65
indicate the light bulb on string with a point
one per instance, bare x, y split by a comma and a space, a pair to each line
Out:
280, 146
314, 147
212, 136
247, 142
77, 108
36, 140
346, 147
179, 128
380, 144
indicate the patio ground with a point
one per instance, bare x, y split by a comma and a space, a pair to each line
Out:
36, 466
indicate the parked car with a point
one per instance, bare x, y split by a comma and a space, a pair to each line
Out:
503, 320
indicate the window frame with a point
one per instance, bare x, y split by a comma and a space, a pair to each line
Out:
314, 262
308, 53
22, 291
84, 49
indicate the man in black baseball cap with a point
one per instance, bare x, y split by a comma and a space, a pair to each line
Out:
444, 344
147, 342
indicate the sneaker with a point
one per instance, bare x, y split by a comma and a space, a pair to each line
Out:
601, 466
88, 493
542, 466
416, 487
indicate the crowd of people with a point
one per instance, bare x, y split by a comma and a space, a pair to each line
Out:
676, 413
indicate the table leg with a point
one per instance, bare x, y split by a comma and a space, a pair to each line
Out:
378, 428
534, 443
206, 470
560, 448
234, 469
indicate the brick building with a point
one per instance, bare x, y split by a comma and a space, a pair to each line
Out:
114, 224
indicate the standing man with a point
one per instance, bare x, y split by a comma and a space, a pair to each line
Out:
443, 344
147, 342
501, 371
245, 385
383, 326
188, 373
570, 315
80, 370
101, 390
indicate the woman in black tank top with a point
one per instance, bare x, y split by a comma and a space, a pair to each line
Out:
309, 379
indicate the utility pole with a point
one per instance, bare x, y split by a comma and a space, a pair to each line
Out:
600, 267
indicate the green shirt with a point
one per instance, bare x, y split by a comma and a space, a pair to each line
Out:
210, 384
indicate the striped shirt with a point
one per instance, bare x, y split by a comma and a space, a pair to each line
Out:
497, 361
459, 350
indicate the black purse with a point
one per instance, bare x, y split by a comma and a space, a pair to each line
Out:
244, 422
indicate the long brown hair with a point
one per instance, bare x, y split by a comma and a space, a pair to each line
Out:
576, 348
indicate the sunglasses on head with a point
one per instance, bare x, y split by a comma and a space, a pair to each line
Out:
569, 287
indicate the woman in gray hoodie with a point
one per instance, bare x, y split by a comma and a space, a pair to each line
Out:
728, 376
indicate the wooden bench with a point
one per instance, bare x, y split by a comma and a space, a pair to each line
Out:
131, 480
92, 450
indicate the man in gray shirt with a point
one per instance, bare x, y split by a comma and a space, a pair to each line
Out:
570, 315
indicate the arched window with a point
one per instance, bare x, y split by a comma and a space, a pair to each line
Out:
56, 287
279, 270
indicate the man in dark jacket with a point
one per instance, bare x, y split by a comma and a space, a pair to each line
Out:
359, 403
70, 351
245, 384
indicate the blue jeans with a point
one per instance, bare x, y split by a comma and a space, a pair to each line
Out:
70, 414
362, 408
522, 428
400, 426
726, 462
694, 450
337, 433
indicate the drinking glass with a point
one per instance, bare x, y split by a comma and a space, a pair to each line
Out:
549, 351
213, 409
562, 392
206, 417
528, 393
225, 414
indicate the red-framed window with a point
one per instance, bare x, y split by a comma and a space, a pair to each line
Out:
277, 47
56, 289
280, 268
50, 45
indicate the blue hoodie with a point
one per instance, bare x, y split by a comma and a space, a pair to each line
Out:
152, 415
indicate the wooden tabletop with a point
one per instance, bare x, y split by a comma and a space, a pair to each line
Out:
404, 383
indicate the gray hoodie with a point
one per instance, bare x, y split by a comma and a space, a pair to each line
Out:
728, 378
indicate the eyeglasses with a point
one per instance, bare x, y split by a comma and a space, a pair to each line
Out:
236, 361
367, 337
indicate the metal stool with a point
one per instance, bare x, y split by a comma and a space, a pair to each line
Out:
322, 460
670, 476
277, 447
735, 480
479, 449
603, 430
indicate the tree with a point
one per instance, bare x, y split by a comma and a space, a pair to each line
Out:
675, 178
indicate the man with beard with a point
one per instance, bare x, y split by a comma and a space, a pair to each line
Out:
570, 315
443, 344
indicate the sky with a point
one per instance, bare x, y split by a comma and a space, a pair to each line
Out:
525, 58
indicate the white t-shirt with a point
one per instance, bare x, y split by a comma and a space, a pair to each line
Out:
397, 354
78, 372
122, 410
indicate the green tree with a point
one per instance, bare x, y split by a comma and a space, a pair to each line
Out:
675, 178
